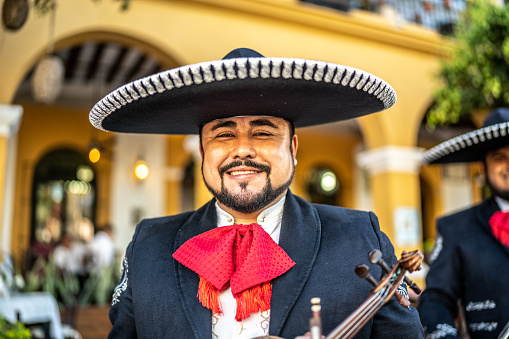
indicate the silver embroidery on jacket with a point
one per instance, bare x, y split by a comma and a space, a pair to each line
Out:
442, 331
122, 285
439, 244
476, 327
480, 305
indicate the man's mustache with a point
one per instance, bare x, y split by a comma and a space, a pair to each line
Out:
248, 163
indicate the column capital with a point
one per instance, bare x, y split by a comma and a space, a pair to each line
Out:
10, 119
396, 159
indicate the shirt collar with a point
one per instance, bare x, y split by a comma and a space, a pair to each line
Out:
269, 219
502, 204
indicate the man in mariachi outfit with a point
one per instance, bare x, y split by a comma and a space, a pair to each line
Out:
247, 263
470, 260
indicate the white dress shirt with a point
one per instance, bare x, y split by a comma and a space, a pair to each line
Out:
224, 326
502, 204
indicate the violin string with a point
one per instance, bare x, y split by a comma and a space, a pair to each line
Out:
339, 332
384, 294
367, 314
347, 322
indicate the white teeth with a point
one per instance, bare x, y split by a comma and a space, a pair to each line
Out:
242, 172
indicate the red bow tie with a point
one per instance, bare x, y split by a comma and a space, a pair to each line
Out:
242, 256
499, 223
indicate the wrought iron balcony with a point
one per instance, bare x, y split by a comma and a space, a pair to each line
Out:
439, 15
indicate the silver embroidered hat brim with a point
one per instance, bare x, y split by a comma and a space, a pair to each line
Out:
180, 100
468, 147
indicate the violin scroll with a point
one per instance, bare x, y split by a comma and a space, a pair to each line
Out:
379, 296
410, 261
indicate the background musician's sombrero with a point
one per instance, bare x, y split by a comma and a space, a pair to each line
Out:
243, 83
472, 146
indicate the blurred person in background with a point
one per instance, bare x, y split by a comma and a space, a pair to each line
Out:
70, 256
470, 259
102, 249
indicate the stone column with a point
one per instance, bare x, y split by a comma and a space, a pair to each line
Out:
394, 185
10, 119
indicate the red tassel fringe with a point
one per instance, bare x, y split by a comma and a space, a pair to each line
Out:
209, 296
252, 300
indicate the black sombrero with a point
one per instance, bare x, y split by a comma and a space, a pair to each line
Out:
243, 83
472, 146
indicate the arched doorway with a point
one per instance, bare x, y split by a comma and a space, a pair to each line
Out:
323, 186
63, 200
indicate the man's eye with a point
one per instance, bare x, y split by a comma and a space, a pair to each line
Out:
225, 135
262, 134
499, 159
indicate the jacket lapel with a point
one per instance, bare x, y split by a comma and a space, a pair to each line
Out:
200, 318
484, 212
300, 238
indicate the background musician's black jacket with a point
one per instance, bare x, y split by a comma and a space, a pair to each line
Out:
157, 296
471, 266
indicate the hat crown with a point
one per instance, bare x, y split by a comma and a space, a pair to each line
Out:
497, 116
243, 53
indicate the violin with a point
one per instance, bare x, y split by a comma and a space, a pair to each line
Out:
382, 292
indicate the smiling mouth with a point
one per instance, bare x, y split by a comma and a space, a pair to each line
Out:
234, 173
245, 167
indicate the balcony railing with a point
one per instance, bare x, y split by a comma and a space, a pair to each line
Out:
439, 15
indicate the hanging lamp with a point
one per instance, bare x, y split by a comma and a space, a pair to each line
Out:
48, 77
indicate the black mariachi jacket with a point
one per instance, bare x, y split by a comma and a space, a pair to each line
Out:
156, 297
471, 265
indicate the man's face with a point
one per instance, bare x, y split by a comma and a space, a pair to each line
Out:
248, 162
497, 171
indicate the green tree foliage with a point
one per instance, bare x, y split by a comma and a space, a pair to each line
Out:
13, 331
475, 76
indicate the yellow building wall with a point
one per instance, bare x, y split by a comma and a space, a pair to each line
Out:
182, 32
431, 177
42, 130
3, 160
333, 151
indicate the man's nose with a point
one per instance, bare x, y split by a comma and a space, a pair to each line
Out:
243, 148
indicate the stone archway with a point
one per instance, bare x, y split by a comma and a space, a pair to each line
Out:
63, 199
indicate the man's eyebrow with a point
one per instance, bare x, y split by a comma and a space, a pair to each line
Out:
263, 122
224, 123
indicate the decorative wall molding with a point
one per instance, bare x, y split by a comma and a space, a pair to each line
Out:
395, 159
10, 119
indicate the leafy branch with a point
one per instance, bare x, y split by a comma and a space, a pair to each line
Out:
475, 76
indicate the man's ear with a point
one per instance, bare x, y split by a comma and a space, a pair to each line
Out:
293, 148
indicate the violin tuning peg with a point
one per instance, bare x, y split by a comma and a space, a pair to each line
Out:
375, 257
413, 286
362, 271
401, 299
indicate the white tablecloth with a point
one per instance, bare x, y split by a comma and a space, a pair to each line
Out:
33, 307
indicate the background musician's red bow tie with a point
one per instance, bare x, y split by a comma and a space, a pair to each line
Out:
242, 256
499, 223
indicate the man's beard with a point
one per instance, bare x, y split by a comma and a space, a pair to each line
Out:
504, 194
246, 202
